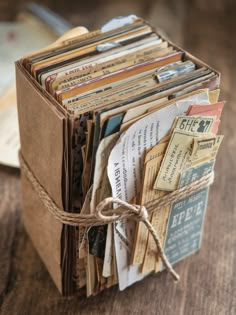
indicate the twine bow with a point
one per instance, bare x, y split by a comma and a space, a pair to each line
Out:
140, 214
125, 210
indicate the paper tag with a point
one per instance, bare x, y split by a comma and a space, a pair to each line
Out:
118, 22
205, 148
194, 124
180, 148
185, 224
107, 46
179, 70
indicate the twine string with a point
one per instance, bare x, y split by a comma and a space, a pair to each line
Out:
103, 215
141, 214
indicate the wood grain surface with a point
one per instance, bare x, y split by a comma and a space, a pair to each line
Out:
208, 280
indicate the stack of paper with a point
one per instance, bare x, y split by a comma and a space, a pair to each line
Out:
144, 118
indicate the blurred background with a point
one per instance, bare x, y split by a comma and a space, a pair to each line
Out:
170, 15
207, 29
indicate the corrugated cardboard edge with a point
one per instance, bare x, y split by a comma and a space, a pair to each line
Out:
44, 231
42, 145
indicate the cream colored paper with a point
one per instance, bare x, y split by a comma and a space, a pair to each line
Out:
9, 136
179, 149
152, 164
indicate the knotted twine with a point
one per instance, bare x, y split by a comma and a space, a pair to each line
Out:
103, 216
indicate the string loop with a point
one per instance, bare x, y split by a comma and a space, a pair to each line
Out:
103, 215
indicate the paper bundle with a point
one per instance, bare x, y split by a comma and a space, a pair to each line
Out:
140, 120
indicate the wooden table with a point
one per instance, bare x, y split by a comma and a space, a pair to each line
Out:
208, 281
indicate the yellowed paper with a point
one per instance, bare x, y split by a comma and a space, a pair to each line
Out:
152, 164
205, 149
9, 136
159, 222
102, 155
214, 96
179, 149
138, 111
91, 273
156, 151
